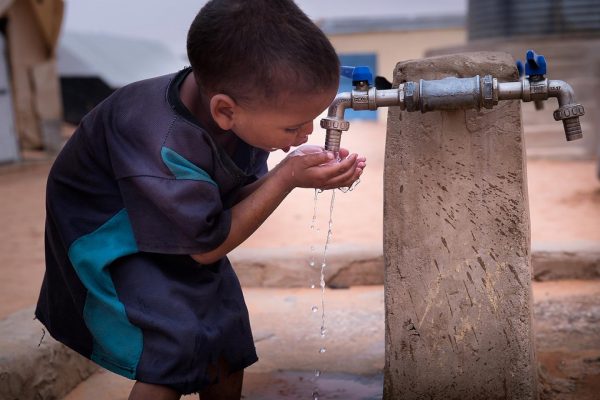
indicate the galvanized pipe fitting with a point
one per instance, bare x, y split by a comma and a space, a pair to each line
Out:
454, 94
569, 110
335, 124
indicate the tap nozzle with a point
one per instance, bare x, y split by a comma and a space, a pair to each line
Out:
569, 114
333, 132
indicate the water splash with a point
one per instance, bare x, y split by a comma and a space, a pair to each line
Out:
351, 187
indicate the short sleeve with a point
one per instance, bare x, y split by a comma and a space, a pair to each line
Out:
261, 167
175, 216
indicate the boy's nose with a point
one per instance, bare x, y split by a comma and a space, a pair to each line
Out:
308, 129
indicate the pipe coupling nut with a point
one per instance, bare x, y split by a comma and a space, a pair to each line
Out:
568, 111
489, 91
411, 96
336, 124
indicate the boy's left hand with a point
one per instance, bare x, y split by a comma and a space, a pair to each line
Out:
310, 170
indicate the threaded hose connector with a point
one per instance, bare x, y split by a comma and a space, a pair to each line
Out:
572, 128
569, 114
333, 139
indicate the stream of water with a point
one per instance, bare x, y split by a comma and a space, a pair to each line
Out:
312, 263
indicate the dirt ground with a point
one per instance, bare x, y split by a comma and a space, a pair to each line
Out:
564, 205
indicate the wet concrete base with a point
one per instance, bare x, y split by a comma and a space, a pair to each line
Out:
296, 385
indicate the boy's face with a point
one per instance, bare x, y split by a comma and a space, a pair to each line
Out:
282, 124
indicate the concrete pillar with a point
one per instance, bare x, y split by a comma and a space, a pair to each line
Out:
456, 245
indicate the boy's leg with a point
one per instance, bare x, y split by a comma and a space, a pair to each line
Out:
228, 387
144, 391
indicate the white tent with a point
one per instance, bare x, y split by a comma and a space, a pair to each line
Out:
116, 60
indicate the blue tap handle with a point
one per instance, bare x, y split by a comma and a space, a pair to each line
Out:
357, 74
535, 64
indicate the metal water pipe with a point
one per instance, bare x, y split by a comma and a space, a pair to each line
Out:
454, 94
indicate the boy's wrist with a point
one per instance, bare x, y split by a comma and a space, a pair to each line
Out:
284, 176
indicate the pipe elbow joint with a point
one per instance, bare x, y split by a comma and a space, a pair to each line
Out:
569, 110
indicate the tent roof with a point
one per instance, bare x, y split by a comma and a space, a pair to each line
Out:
117, 60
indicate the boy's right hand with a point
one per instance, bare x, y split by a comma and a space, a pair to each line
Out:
311, 167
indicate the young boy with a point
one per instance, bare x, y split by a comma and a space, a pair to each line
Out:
164, 178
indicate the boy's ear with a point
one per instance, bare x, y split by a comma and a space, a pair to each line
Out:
221, 109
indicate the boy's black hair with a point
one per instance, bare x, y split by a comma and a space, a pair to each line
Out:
252, 48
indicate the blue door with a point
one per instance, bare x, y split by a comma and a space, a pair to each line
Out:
356, 59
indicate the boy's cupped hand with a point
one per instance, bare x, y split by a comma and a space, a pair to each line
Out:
311, 166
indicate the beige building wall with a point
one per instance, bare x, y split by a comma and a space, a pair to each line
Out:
392, 47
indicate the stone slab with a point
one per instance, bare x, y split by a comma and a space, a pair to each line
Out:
359, 265
347, 265
34, 366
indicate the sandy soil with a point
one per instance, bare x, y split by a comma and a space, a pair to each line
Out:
564, 205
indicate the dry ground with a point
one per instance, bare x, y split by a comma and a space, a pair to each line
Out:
564, 205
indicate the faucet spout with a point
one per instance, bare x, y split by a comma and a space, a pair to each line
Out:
334, 124
569, 110
339, 105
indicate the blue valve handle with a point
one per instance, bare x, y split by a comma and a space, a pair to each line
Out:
535, 64
357, 74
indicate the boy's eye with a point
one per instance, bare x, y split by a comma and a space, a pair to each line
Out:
292, 130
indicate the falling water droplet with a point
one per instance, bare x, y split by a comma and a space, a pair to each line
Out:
322, 350
312, 263
315, 395
315, 308
323, 331
312, 286
317, 373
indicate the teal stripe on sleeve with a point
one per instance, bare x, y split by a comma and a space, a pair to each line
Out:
183, 168
117, 343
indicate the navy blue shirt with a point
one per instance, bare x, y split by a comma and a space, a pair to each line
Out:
138, 187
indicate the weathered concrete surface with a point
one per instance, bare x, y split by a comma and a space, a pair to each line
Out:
567, 326
358, 265
347, 265
36, 369
566, 260
456, 245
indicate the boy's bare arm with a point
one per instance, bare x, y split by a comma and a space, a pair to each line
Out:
292, 172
